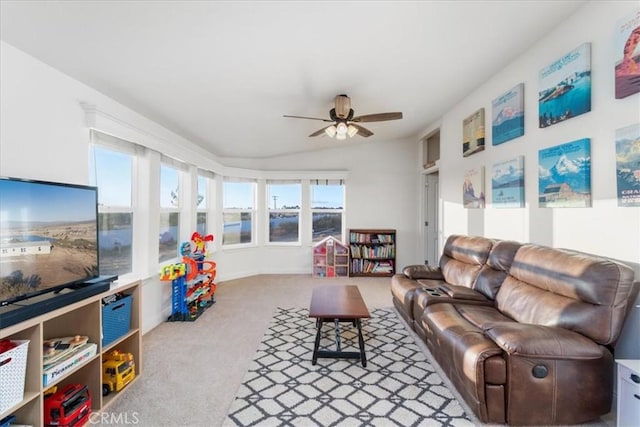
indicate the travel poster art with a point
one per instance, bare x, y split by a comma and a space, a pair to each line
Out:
627, 55
628, 165
564, 175
473, 188
507, 115
565, 87
473, 133
507, 183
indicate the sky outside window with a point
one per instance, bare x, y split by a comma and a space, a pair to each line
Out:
169, 181
327, 196
112, 172
238, 195
284, 195
202, 192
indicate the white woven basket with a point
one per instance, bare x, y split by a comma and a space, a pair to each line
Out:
13, 369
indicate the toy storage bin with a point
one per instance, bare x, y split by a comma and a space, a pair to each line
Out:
13, 370
116, 319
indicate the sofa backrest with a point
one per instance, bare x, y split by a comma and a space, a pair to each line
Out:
463, 257
584, 293
495, 270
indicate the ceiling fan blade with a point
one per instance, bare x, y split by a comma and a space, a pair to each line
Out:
380, 117
309, 118
362, 131
319, 131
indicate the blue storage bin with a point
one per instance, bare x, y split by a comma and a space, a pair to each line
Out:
116, 320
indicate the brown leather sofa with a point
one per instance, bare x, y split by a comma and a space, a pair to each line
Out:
527, 338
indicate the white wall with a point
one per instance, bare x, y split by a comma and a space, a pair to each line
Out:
44, 134
381, 192
604, 228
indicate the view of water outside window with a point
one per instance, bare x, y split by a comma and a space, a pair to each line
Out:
112, 172
327, 205
284, 212
238, 205
169, 215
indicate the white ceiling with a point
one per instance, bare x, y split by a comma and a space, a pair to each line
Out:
222, 73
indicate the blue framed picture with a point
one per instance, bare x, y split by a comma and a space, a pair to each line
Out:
507, 183
507, 115
564, 175
628, 165
565, 87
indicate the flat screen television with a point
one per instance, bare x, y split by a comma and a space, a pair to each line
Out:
48, 237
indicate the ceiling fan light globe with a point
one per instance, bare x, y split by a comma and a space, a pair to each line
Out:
341, 137
352, 131
342, 129
331, 131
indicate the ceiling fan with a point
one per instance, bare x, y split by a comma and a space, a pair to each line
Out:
344, 124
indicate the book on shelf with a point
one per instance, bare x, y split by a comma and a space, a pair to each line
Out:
374, 238
367, 266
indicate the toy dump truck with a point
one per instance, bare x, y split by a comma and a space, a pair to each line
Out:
118, 370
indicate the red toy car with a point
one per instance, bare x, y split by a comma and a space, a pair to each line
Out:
68, 407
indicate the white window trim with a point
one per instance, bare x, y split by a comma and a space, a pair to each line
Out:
180, 209
253, 211
108, 142
269, 211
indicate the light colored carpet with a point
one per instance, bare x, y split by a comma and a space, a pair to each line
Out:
193, 370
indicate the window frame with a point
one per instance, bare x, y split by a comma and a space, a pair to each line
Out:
253, 211
133, 151
341, 211
207, 209
180, 209
269, 211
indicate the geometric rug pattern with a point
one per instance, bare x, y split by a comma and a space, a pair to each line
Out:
398, 387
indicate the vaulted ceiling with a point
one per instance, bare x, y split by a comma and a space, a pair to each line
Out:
223, 73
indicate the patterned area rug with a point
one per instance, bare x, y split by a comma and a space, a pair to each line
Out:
398, 387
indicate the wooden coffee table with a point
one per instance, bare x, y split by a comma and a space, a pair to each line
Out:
336, 304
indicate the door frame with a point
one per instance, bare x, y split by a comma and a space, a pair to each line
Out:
424, 216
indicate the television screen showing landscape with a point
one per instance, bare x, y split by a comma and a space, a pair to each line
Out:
48, 236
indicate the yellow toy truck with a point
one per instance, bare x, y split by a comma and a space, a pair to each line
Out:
118, 370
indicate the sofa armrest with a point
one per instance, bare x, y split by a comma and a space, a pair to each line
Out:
423, 272
463, 293
521, 339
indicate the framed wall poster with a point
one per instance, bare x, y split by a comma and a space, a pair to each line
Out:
628, 165
473, 133
565, 87
564, 175
627, 55
507, 115
507, 183
473, 188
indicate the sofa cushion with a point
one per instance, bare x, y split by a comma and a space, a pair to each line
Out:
461, 350
572, 290
463, 257
538, 341
496, 268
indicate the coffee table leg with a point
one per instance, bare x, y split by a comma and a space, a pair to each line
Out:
363, 357
336, 325
314, 360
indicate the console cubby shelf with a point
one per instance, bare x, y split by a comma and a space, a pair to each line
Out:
80, 318
373, 252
